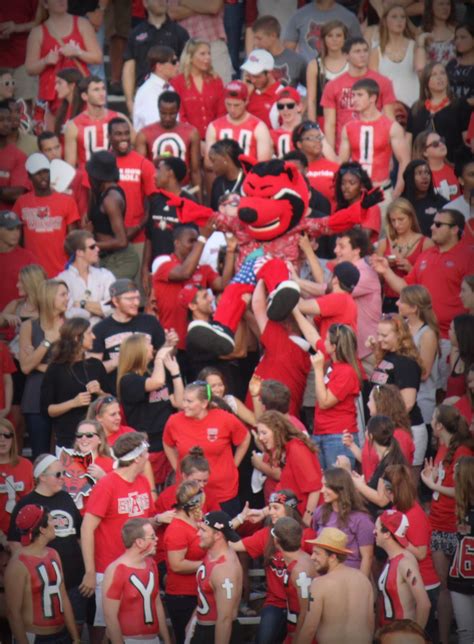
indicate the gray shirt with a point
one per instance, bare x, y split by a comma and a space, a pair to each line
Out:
290, 68
304, 28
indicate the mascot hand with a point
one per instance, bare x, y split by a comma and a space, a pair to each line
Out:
188, 211
372, 198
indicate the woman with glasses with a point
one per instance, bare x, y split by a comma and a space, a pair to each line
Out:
401, 491
48, 475
223, 438
419, 191
438, 111
344, 508
350, 181
432, 148
16, 474
402, 246
454, 441
282, 503
71, 380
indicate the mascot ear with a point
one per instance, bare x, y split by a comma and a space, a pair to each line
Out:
292, 171
247, 162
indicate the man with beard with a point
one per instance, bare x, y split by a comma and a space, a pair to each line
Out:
341, 602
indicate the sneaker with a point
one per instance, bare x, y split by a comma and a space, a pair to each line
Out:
211, 337
282, 300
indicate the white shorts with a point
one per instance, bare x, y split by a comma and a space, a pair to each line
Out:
420, 438
99, 618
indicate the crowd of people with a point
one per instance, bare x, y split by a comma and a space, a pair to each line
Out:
166, 436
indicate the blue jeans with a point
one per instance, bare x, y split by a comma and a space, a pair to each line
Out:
233, 23
39, 431
99, 70
330, 447
272, 627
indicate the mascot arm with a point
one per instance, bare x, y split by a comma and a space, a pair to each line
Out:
188, 211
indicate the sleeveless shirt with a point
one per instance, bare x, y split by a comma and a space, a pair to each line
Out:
406, 83
98, 217
92, 134
45, 581
390, 607
370, 146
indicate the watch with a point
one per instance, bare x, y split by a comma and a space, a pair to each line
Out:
46, 344
82, 304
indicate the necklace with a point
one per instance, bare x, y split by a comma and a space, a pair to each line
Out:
404, 249
76, 378
431, 107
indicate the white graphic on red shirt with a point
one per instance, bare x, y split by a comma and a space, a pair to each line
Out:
134, 504
39, 219
10, 488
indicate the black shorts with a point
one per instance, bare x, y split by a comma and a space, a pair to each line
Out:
206, 634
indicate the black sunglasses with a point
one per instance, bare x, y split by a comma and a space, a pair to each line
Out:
91, 247
288, 106
6, 435
438, 224
173, 61
56, 475
86, 434
437, 143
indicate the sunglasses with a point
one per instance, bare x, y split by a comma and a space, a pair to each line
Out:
438, 224
105, 401
312, 138
437, 143
56, 475
173, 61
91, 247
86, 435
6, 435
285, 106
203, 383
8, 83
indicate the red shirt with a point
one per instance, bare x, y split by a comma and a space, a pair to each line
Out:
342, 381
370, 146
320, 174
137, 179
13, 48
261, 102
10, 265
170, 312
92, 134
45, 575
46, 220
337, 94
243, 133
465, 408
301, 471
175, 142
7, 367
336, 308
136, 589
443, 508
285, 361
419, 534
216, 433
200, 108
16, 481
390, 604
206, 611
12, 171
282, 142
179, 535
370, 460
442, 273
116, 501
123, 429
445, 182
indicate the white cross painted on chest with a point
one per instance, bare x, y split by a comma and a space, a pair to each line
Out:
303, 582
228, 585
11, 487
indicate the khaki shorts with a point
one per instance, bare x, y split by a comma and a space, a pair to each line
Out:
118, 19
25, 86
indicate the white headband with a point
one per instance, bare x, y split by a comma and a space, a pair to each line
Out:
43, 465
131, 456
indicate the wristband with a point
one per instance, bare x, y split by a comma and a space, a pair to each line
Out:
202, 239
177, 375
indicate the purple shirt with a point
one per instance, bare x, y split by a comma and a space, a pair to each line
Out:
359, 531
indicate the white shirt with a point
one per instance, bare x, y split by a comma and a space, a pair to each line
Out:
96, 290
145, 105
461, 204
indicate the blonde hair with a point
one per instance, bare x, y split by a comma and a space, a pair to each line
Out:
185, 492
46, 295
344, 339
31, 278
103, 449
189, 50
406, 208
383, 29
405, 344
133, 357
13, 455
419, 296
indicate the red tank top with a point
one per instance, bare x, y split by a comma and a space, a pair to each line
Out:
92, 135
243, 133
412, 257
175, 142
207, 608
282, 142
45, 581
390, 605
370, 146
47, 91
136, 589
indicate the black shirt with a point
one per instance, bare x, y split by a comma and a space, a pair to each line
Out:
161, 222
99, 219
63, 382
426, 209
68, 532
402, 371
81, 7
461, 79
145, 36
146, 411
222, 186
109, 335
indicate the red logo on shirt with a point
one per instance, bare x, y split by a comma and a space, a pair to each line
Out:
313, 35
212, 434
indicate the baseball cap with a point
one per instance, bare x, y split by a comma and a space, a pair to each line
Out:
36, 162
347, 274
397, 524
288, 92
332, 539
236, 89
220, 521
28, 518
122, 286
258, 61
9, 220
187, 295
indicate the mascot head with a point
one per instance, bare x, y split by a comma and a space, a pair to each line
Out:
276, 197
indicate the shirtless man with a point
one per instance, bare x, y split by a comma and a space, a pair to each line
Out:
341, 599
402, 593
219, 580
131, 589
300, 569
37, 601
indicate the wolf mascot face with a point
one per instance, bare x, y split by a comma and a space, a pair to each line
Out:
276, 197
